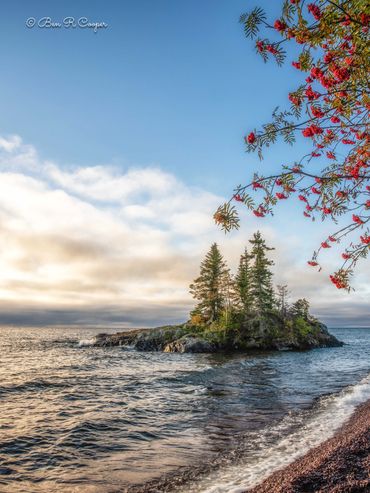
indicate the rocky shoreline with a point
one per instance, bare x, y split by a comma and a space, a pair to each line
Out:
187, 338
339, 465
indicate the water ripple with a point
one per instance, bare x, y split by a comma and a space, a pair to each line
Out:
94, 420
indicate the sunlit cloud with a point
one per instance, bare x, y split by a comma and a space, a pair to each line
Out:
103, 245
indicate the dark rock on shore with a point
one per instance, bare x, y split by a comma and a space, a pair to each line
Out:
189, 344
318, 337
143, 339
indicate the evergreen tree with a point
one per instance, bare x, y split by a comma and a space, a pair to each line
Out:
242, 285
301, 309
228, 294
261, 286
282, 295
212, 286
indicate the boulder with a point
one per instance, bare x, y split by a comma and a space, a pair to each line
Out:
189, 344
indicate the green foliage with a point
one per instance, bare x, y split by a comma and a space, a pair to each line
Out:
230, 320
262, 292
300, 309
243, 294
227, 216
252, 21
243, 312
210, 288
282, 295
302, 327
305, 59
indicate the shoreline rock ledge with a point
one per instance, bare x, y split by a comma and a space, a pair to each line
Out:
187, 338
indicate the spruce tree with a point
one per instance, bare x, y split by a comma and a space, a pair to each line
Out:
282, 296
211, 287
301, 309
242, 285
261, 286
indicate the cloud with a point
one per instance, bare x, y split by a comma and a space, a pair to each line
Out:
92, 237
101, 245
11, 143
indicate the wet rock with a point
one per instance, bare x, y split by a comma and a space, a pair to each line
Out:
189, 344
142, 339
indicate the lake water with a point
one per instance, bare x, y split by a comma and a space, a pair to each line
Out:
101, 420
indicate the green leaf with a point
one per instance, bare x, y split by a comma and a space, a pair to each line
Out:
252, 21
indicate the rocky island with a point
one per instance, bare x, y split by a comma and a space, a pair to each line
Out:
186, 338
234, 313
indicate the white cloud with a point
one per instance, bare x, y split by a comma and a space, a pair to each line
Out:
100, 240
11, 143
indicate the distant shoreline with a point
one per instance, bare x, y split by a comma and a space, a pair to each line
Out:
339, 465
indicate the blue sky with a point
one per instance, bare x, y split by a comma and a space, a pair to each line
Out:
168, 82
137, 132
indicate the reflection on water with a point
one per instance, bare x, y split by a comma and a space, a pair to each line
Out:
87, 419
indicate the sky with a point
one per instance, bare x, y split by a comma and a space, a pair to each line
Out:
117, 146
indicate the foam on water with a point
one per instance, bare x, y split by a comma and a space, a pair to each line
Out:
87, 342
115, 420
268, 455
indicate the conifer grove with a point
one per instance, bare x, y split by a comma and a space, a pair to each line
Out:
247, 301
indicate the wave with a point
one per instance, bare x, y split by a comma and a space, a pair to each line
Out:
279, 446
33, 385
87, 342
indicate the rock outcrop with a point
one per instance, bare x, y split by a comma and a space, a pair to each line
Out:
187, 338
143, 339
189, 344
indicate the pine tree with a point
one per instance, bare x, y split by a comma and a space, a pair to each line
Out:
242, 285
282, 295
261, 286
228, 294
301, 309
212, 286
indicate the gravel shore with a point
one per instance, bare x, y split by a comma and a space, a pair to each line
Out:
339, 465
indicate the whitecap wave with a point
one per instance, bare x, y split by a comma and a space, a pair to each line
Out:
87, 342
279, 446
